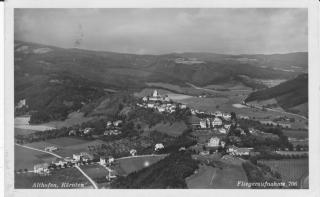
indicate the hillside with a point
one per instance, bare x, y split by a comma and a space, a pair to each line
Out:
291, 95
58, 80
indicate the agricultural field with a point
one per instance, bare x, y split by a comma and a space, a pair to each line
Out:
23, 123
95, 171
25, 158
67, 145
290, 169
18, 131
58, 142
298, 134
73, 118
55, 178
175, 129
132, 164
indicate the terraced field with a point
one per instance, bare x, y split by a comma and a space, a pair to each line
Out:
289, 169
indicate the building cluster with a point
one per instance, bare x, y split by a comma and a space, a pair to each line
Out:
113, 128
160, 103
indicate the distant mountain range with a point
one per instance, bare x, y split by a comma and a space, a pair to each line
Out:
48, 76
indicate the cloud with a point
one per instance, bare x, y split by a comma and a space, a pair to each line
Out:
156, 31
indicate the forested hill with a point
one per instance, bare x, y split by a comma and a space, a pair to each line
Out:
288, 94
59, 80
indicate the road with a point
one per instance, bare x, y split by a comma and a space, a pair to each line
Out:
58, 156
89, 179
279, 111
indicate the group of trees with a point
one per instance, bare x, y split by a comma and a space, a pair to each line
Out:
169, 172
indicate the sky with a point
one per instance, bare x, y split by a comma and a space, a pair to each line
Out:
167, 30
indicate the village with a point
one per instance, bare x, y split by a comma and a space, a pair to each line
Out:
216, 135
210, 132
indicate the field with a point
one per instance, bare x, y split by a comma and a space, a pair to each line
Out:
95, 171
55, 179
299, 134
174, 129
72, 119
67, 145
290, 170
26, 158
129, 165
224, 177
20, 131
23, 123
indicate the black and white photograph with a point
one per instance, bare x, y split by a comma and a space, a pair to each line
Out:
161, 98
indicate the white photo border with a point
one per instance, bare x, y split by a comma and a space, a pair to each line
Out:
314, 92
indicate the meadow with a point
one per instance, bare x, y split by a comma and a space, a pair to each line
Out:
175, 129
25, 158
129, 165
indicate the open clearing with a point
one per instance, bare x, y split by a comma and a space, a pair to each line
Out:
67, 145
23, 123
299, 134
290, 169
74, 118
26, 158
56, 178
174, 129
129, 165
95, 171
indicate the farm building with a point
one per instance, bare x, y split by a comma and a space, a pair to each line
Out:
213, 142
41, 168
233, 150
216, 122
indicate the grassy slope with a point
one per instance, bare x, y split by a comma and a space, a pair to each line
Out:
288, 94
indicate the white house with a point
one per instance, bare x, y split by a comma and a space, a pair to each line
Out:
102, 161
109, 123
222, 130
233, 150
216, 122
218, 114
158, 147
150, 105
203, 124
183, 106
87, 130
145, 99
110, 160
41, 168
133, 152
50, 148
226, 116
213, 142
117, 123
77, 157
